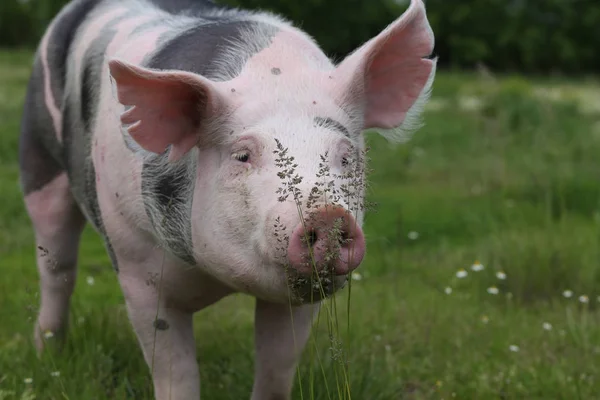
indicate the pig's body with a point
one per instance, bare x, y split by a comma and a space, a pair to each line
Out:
182, 182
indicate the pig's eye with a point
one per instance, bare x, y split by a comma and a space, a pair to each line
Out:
242, 157
344, 161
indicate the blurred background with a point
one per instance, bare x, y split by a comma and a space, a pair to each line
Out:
546, 36
482, 274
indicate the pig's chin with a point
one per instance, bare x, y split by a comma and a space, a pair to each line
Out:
312, 289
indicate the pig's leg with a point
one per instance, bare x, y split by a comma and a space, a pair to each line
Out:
281, 333
166, 337
58, 224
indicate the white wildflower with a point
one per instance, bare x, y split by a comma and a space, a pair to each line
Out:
28, 380
485, 319
55, 374
501, 275
48, 334
461, 273
448, 290
412, 235
514, 348
493, 290
547, 326
584, 299
477, 266
356, 276
90, 280
470, 103
567, 293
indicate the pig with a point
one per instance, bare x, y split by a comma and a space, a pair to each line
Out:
213, 149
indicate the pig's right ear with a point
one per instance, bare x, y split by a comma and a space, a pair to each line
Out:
167, 107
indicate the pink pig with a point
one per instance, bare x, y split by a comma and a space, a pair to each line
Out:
215, 151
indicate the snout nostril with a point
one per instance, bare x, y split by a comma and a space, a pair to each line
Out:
310, 237
344, 237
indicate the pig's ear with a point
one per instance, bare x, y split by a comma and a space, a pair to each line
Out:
167, 107
389, 77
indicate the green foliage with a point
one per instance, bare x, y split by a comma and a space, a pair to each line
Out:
505, 171
23, 22
533, 36
523, 35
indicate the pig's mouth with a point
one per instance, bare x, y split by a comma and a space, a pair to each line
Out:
317, 286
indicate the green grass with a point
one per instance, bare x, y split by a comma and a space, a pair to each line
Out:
505, 171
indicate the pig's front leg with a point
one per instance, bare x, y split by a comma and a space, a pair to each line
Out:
167, 340
281, 332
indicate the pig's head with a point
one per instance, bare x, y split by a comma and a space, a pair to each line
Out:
277, 205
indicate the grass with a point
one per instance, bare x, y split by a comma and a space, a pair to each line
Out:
504, 172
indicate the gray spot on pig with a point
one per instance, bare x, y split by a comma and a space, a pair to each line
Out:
80, 168
60, 42
167, 191
186, 7
201, 48
161, 324
332, 124
38, 163
91, 78
275, 71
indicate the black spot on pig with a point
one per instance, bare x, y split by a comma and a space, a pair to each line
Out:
332, 124
161, 324
275, 71
167, 192
39, 149
199, 48
60, 40
187, 7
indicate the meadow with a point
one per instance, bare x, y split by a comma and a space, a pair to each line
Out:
481, 280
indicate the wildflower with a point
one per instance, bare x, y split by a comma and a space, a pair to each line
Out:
493, 290
448, 290
412, 235
439, 383
584, 299
90, 280
547, 326
470, 103
48, 334
485, 319
378, 337
388, 347
80, 320
55, 374
567, 293
28, 380
514, 348
461, 273
501, 275
477, 266
356, 276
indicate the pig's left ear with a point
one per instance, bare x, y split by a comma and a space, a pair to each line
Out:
389, 78
167, 107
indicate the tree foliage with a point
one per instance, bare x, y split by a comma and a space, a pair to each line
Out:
530, 36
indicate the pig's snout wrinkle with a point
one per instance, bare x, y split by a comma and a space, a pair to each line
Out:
330, 237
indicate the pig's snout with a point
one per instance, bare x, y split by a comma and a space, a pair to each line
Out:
330, 237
